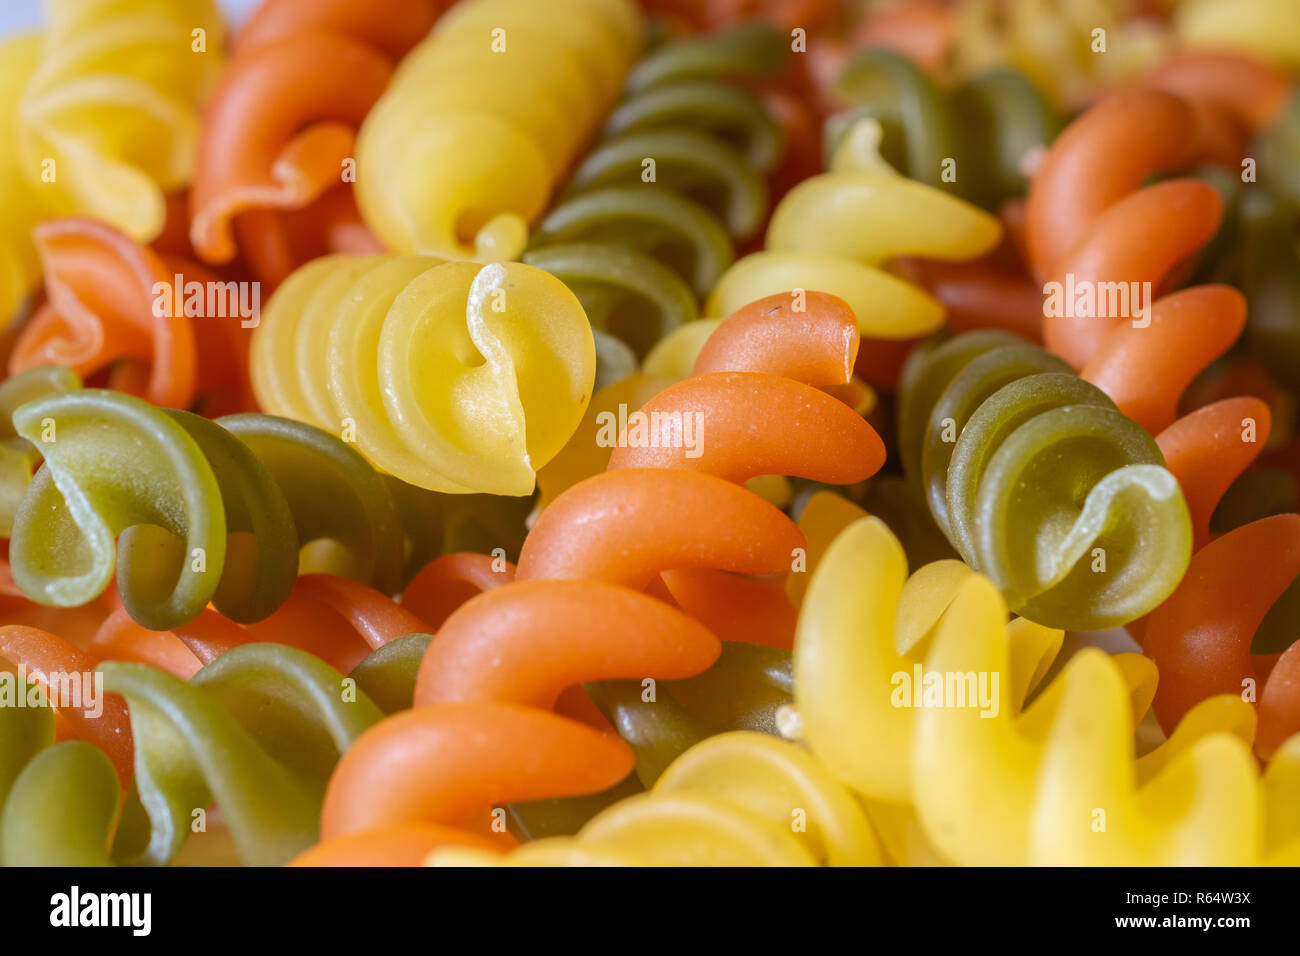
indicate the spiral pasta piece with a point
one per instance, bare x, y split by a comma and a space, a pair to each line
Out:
19, 266
971, 140
1254, 248
72, 509
102, 289
815, 241
985, 780
18, 456
576, 577
448, 376
191, 511
1201, 637
1041, 483
54, 663
108, 118
1104, 231
648, 220
62, 798
569, 758
1087, 216
462, 152
280, 130
1090, 224
258, 730
1102, 236
120, 314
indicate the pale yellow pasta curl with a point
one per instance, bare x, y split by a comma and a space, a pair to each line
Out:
108, 122
837, 231
448, 375
19, 206
484, 117
1054, 782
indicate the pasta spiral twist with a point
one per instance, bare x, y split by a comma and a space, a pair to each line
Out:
1201, 638
483, 118
108, 118
1029, 471
745, 688
1089, 222
1054, 782
634, 247
110, 315
78, 781
815, 241
281, 128
1087, 217
19, 268
258, 730
447, 375
164, 489
981, 130
1254, 111
19, 457
577, 577
1000, 783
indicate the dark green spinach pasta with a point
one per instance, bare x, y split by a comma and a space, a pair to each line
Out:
640, 252
986, 125
258, 731
334, 493
115, 464
1257, 249
387, 674
190, 511
743, 690
1041, 483
18, 456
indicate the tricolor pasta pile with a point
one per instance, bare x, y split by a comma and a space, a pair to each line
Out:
612, 433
